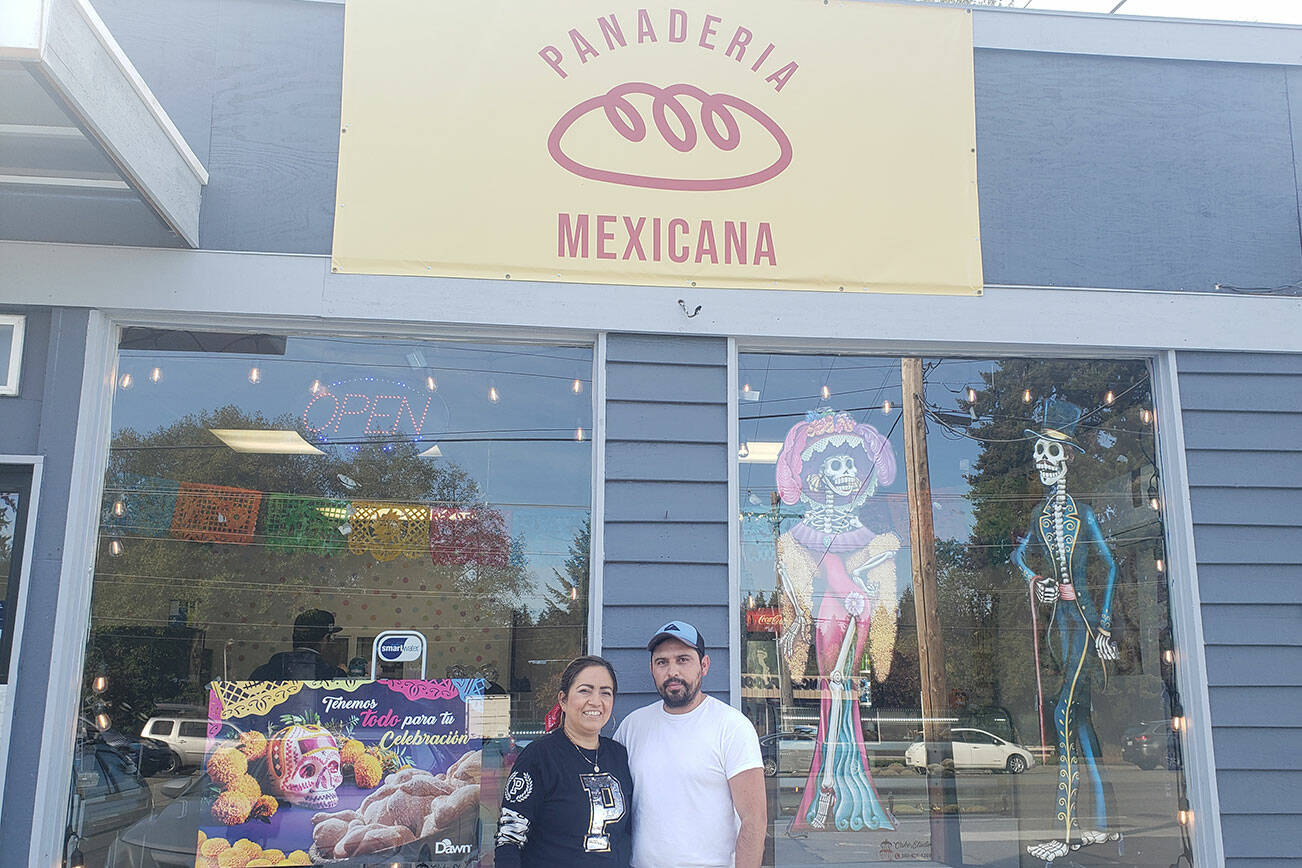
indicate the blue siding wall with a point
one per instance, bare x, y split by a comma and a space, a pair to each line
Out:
666, 517
1077, 155
41, 421
1242, 418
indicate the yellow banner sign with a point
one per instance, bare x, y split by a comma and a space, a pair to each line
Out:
787, 144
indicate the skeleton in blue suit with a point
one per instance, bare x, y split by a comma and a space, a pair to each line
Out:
1066, 536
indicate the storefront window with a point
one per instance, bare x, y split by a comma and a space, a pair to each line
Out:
1056, 724
15, 494
273, 505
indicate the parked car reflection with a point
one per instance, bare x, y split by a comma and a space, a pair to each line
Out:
1149, 745
975, 749
788, 753
168, 836
108, 794
151, 756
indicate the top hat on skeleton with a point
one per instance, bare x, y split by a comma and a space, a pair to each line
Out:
1060, 421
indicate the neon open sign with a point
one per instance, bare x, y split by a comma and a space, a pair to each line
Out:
365, 409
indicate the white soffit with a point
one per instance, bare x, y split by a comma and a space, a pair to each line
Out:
76, 120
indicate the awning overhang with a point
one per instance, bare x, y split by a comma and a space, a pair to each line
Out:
86, 152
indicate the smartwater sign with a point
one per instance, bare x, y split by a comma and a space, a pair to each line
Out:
793, 144
398, 646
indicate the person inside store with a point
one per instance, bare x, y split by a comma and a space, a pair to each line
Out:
700, 796
312, 632
568, 800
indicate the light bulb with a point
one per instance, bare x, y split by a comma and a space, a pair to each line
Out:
102, 721
827, 393
115, 547
886, 407
1168, 656
255, 376
574, 592
971, 395
1108, 398
119, 508
431, 384
155, 375
750, 601
1154, 503
100, 684
1145, 415
492, 394
1160, 566
126, 381
745, 387
577, 386
1183, 816
578, 434
1177, 723
1026, 396
316, 386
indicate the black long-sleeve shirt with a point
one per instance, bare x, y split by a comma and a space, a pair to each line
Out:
557, 812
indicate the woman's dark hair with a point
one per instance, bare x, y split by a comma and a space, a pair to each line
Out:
578, 664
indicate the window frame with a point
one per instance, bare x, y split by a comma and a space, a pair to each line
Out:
99, 376
1173, 481
36, 463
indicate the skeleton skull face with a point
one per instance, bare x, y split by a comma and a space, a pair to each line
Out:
840, 474
303, 764
1050, 461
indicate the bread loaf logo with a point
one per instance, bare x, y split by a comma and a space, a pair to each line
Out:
699, 119
676, 136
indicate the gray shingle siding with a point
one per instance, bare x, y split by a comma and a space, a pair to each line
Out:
666, 518
1241, 426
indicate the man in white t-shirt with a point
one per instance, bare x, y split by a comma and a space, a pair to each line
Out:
698, 800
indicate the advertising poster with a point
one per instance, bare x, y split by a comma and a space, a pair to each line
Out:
343, 773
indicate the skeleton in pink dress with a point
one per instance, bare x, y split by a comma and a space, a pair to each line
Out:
838, 584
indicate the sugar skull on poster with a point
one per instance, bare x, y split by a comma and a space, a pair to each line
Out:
342, 772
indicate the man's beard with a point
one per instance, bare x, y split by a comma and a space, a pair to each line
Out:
688, 694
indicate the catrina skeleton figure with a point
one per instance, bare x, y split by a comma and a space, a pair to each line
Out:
838, 592
1066, 537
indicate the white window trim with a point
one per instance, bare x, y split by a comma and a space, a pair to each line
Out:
597, 534
90, 457
37, 464
14, 378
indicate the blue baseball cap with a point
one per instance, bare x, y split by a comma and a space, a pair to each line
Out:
683, 632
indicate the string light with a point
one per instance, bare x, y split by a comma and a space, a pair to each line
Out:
126, 381
1177, 717
578, 434
577, 386
1109, 397
316, 387
103, 722
1184, 816
826, 392
255, 376
100, 684
431, 384
971, 395
886, 407
750, 601
492, 394
115, 547
119, 508
155, 375
1161, 567
1026, 396
574, 592
1154, 503
1145, 415
1168, 656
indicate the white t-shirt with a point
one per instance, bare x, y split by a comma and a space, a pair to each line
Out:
682, 807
